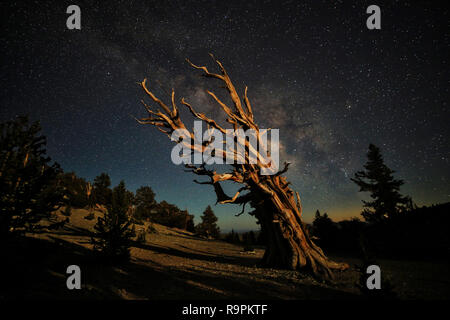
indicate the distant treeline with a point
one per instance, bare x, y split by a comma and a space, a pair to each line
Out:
419, 233
144, 205
248, 240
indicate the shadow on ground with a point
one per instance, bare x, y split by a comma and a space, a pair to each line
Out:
36, 269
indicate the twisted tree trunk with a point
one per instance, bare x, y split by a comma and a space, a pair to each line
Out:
288, 242
277, 210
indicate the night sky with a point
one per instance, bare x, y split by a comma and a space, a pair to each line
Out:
313, 70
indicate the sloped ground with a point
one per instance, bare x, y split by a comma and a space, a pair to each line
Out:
174, 264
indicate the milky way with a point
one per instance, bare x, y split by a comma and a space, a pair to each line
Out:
313, 70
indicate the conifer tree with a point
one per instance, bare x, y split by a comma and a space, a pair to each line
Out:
378, 179
113, 230
189, 222
229, 236
29, 189
145, 202
102, 191
325, 230
208, 226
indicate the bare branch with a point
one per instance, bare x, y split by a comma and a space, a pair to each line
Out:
284, 170
207, 73
166, 108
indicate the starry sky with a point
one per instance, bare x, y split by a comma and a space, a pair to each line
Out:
313, 70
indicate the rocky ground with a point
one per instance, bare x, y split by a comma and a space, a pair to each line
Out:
175, 264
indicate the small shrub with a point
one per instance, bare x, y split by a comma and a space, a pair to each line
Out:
113, 232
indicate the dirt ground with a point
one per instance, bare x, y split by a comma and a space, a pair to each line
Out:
174, 264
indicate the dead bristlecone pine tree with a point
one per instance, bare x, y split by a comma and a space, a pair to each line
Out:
276, 207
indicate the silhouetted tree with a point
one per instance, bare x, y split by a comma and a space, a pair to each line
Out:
28, 183
171, 216
249, 240
325, 230
145, 202
350, 233
113, 230
190, 226
102, 192
233, 237
378, 179
188, 221
208, 226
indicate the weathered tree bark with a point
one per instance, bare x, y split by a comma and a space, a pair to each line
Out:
288, 241
276, 208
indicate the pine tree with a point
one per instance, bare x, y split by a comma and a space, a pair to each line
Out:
378, 179
233, 237
113, 229
171, 216
190, 226
322, 221
145, 202
208, 226
29, 189
229, 236
102, 191
325, 230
